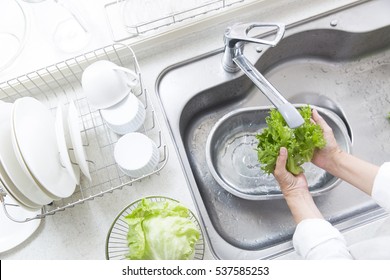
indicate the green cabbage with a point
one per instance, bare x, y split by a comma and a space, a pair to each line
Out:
161, 230
300, 142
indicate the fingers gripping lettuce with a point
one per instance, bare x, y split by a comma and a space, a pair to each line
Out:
300, 142
161, 230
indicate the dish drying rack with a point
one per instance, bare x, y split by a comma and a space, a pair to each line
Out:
61, 83
128, 18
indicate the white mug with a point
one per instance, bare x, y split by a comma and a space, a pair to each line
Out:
106, 84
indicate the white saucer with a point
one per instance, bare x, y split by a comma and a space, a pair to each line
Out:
12, 233
35, 136
75, 136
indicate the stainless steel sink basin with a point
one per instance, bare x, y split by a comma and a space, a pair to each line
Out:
339, 61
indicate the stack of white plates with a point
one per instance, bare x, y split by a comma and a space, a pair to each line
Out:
40, 155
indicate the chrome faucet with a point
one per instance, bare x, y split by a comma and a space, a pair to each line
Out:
233, 60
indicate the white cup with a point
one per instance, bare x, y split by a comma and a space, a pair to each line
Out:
136, 154
106, 84
126, 116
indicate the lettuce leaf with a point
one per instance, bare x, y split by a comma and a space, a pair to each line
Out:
300, 142
161, 230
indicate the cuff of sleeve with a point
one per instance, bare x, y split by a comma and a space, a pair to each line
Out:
311, 233
381, 189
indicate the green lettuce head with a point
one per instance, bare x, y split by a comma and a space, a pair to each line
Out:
300, 142
161, 230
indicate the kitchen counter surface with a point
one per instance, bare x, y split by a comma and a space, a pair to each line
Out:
80, 232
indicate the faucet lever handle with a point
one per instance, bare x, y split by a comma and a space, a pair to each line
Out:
240, 31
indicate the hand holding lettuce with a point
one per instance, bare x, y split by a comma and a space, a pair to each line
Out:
300, 142
161, 230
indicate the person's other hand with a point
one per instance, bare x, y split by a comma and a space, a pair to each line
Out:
295, 190
325, 156
290, 185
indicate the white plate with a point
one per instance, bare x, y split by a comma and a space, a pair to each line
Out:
75, 136
69, 144
18, 184
62, 145
12, 233
35, 136
11, 190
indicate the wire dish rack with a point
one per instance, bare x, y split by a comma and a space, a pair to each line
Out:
61, 83
130, 18
116, 241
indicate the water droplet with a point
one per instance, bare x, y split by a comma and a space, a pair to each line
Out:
334, 23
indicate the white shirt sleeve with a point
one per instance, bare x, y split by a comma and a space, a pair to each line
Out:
317, 239
381, 189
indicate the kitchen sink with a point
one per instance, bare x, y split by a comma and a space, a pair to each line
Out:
339, 61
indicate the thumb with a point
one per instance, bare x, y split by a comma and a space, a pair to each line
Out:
280, 167
281, 174
284, 178
320, 121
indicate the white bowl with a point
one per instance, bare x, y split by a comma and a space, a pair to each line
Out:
136, 154
126, 116
106, 84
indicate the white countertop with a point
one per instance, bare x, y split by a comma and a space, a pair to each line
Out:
80, 232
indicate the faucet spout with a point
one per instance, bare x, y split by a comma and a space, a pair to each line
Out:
234, 60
